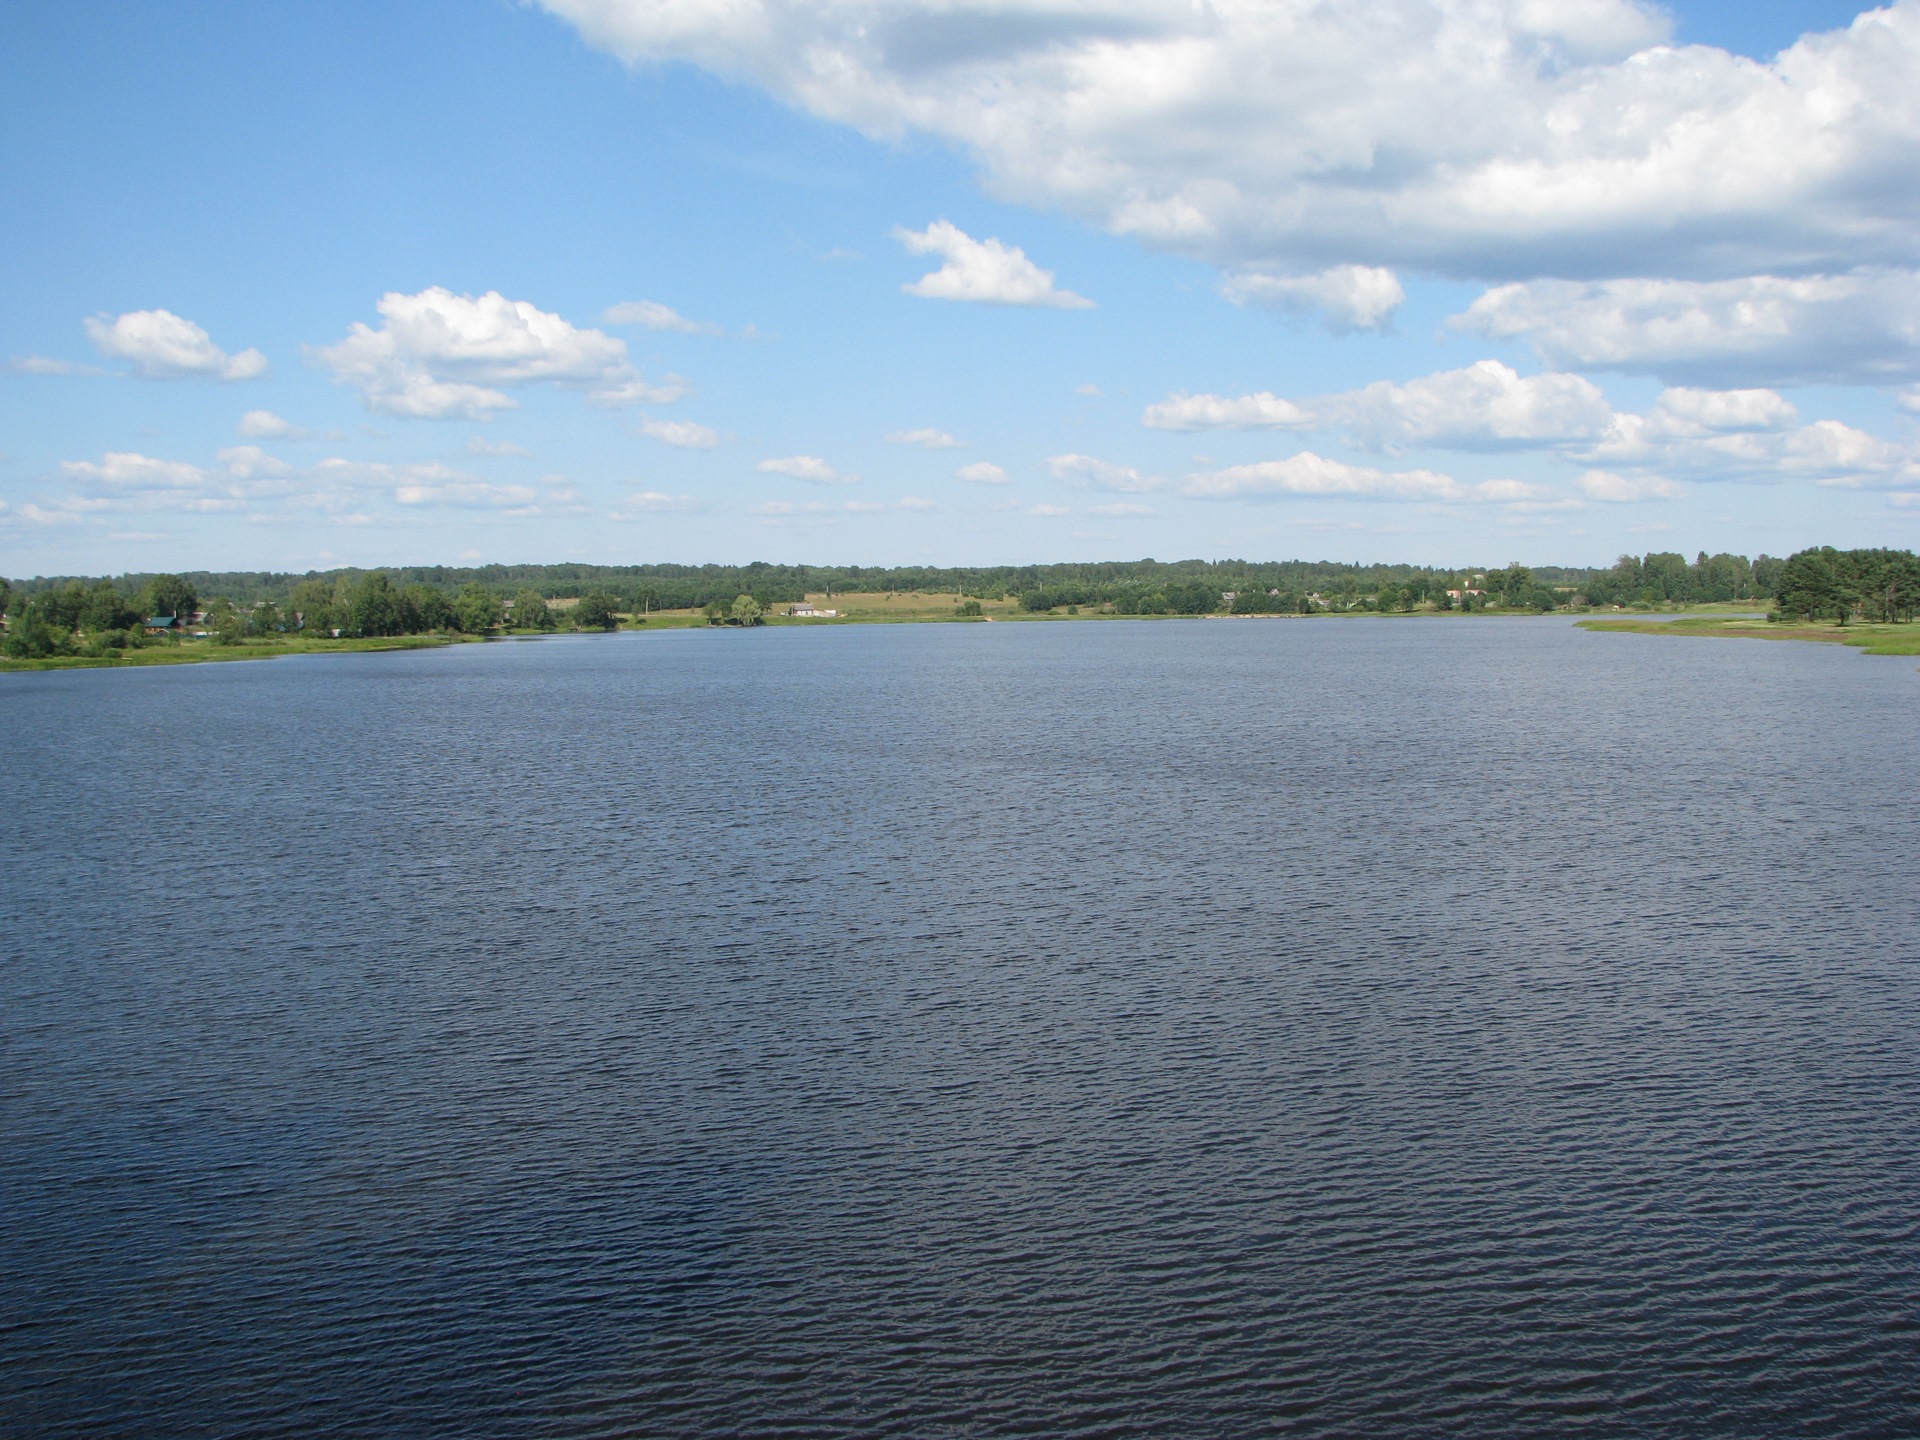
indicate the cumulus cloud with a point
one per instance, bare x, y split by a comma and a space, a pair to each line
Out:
810, 468
982, 472
1264, 411
1683, 411
1483, 406
1461, 137
498, 449
1486, 406
440, 356
466, 495
1085, 471
127, 470
1858, 327
1614, 489
1346, 297
926, 439
162, 346
265, 425
1049, 512
683, 434
652, 315
1746, 434
982, 270
1123, 510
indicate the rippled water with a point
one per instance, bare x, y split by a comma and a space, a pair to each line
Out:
1324, 1029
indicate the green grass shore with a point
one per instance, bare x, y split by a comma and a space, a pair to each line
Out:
201, 652
1874, 639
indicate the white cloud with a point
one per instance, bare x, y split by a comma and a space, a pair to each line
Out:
125, 480
982, 472
1048, 512
789, 509
1749, 434
1909, 399
925, 439
467, 495
1346, 297
1124, 510
655, 316
1681, 411
1084, 471
1090, 390
1858, 327
1314, 475
684, 434
810, 468
499, 449
46, 365
982, 270
122, 469
250, 462
1485, 138
655, 502
163, 346
265, 425
1626, 489
443, 356
1484, 406
1264, 411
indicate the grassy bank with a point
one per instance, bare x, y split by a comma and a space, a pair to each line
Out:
1874, 639
197, 652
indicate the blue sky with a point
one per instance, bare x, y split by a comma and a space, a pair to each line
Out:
1455, 281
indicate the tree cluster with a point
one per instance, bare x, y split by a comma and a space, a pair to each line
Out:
1666, 578
97, 619
1847, 585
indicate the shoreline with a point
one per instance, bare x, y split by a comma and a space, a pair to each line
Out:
1872, 639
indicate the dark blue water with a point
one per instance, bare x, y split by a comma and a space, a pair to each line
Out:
1186, 1029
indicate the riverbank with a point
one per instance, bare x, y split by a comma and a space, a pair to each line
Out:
902, 608
1874, 639
201, 652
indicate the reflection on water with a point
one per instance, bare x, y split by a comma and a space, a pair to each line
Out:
1318, 1028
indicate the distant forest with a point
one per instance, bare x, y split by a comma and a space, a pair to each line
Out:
56, 615
1653, 579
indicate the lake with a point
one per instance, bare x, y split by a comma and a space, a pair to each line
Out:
1313, 1028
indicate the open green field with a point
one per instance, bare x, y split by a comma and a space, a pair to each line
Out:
1874, 639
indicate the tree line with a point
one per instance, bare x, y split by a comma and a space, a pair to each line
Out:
640, 588
101, 618
101, 615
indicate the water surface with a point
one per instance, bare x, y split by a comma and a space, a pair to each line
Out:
1371, 1028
